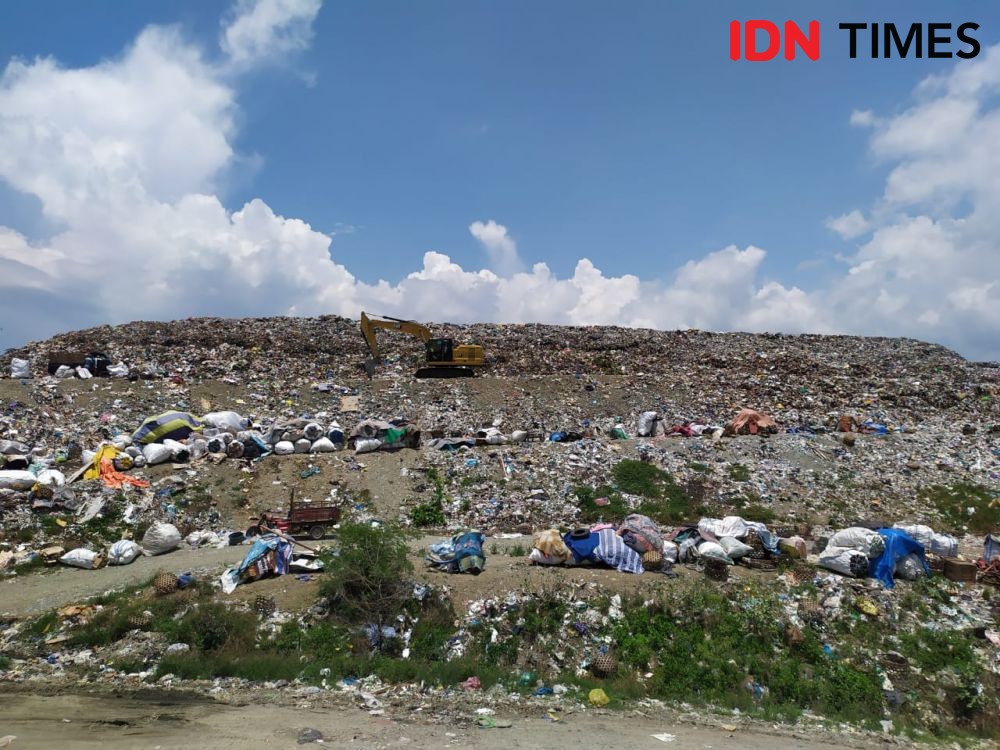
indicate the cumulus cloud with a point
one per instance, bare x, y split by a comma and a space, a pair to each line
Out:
849, 225
125, 158
499, 246
263, 30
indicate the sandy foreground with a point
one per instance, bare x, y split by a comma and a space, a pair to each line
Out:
164, 721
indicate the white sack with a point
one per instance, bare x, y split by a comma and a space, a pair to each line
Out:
367, 446
16, 480
83, 373
909, 568
711, 549
228, 421
52, 478
178, 451
81, 557
302, 445
156, 453
733, 526
323, 445
118, 371
734, 547
63, 372
284, 447
647, 423
159, 538
20, 368
863, 540
518, 436
670, 550
944, 545
312, 432
539, 557
123, 552
838, 559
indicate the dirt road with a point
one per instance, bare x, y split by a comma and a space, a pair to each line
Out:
183, 722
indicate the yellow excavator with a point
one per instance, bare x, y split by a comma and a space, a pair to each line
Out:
443, 358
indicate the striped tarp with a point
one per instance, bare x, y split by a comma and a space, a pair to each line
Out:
173, 425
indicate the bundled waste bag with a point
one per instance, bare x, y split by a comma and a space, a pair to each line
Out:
20, 368
159, 538
83, 558
175, 425
123, 552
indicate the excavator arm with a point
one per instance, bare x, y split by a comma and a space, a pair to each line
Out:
370, 325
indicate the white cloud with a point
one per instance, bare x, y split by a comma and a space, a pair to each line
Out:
849, 225
125, 157
265, 30
499, 246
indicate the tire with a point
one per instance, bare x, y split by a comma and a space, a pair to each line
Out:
317, 532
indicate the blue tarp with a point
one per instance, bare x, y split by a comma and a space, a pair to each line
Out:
898, 544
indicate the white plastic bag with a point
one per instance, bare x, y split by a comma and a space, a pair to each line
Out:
844, 560
540, 558
367, 445
909, 568
284, 447
178, 451
518, 436
160, 537
734, 547
711, 549
82, 558
118, 371
51, 477
156, 453
302, 445
83, 373
670, 550
733, 526
323, 445
228, 421
647, 423
64, 371
863, 540
123, 552
20, 368
944, 545
16, 480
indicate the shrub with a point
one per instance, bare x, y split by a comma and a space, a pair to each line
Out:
368, 581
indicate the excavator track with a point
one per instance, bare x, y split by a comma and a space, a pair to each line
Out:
444, 372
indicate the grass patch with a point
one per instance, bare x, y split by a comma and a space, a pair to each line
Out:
739, 473
760, 513
34, 565
700, 467
518, 550
965, 506
430, 513
591, 512
5, 662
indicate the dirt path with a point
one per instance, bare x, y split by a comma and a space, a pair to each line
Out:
36, 593
183, 722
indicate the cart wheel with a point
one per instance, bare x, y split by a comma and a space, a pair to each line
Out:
317, 532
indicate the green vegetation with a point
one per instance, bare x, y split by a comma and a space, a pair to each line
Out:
663, 499
700, 467
4, 662
733, 645
760, 513
431, 513
518, 550
368, 581
965, 505
739, 473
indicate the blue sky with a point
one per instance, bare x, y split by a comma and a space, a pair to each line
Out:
616, 132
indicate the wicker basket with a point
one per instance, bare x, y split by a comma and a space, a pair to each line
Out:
652, 560
140, 621
757, 550
604, 665
811, 612
716, 569
759, 563
165, 582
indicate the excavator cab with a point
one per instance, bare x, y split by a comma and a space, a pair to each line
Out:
440, 350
